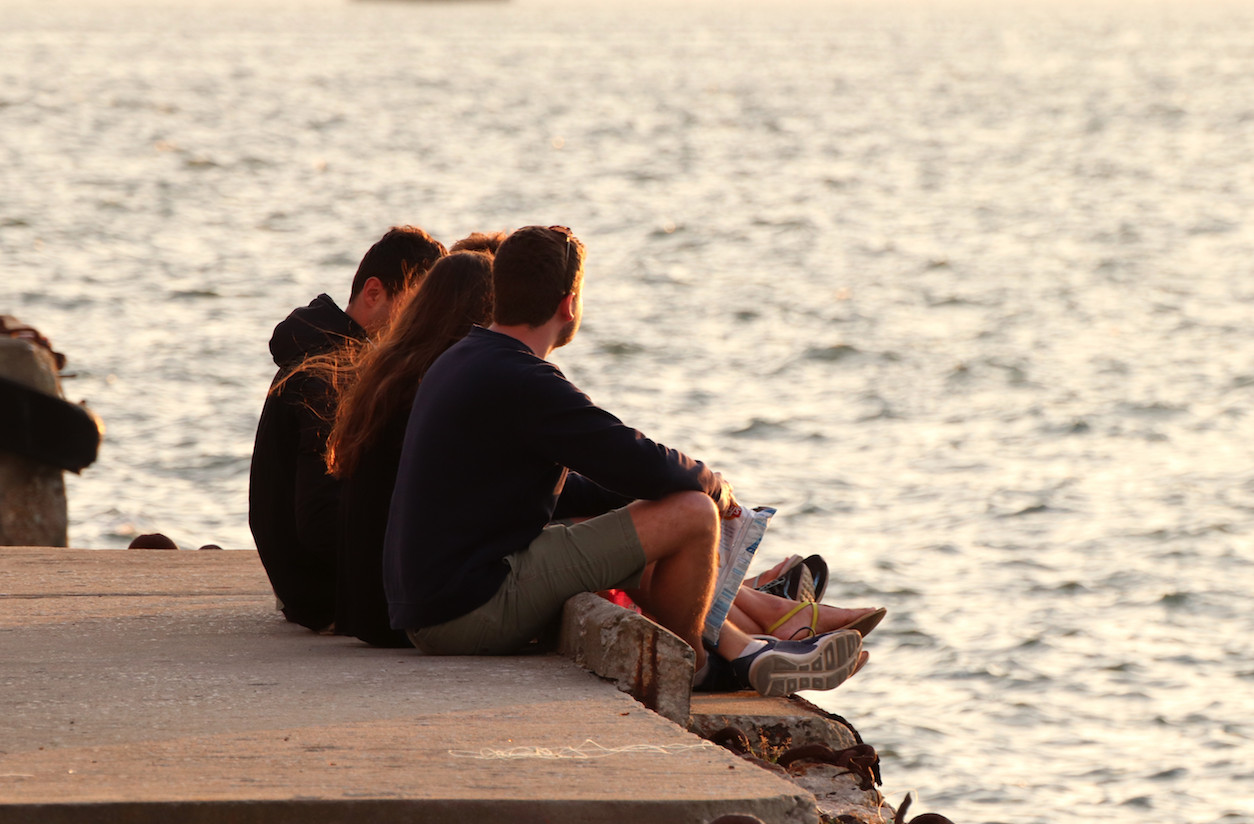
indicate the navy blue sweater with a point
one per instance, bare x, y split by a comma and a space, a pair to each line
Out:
495, 436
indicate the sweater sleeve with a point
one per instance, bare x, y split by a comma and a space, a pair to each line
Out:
569, 429
584, 498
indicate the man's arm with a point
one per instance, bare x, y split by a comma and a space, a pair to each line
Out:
568, 428
584, 498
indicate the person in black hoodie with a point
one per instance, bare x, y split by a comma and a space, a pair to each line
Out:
293, 504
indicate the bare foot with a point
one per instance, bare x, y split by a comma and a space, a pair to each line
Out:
829, 620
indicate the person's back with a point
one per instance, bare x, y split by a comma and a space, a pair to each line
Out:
293, 504
453, 446
361, 608
365, 444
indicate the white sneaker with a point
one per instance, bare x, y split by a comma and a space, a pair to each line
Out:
823, 662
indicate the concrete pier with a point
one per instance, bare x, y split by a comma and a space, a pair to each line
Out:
160, 686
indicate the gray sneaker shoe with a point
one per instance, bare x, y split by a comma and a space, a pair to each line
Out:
819, 663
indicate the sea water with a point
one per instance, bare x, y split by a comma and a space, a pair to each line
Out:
964, 289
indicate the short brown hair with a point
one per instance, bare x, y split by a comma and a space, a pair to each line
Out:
485, 242
399, 259
534, 269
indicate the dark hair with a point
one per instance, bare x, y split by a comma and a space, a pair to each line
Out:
399, 259
376, 383
534, 269
486, 242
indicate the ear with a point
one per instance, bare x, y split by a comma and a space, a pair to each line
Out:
373, 291
566, 308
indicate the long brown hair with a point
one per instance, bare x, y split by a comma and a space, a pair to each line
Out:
379, 381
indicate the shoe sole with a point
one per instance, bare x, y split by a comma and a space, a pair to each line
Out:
868, 622
834, 657
797, 584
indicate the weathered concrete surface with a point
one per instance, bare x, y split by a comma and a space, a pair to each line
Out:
781, 723
163, 686
32, 495
656, 667
775, 727
645, 660
839, 796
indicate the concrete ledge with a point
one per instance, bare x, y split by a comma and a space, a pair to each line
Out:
645, 660
775, 728
366, 811
655, 667
780, 723
159, 686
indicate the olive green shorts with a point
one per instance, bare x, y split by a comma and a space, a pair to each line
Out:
563, 561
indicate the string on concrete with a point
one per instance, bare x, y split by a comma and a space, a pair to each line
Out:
588, 749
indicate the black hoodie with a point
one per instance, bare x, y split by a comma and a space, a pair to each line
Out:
293, 504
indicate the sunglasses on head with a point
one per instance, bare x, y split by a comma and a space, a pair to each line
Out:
564, 231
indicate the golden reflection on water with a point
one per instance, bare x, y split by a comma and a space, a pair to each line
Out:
962, 288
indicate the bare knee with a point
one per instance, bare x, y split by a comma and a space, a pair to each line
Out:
683, 521
697, 510
696, 517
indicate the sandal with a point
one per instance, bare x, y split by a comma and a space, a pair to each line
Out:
867, 622
862, 626
805, 579
791, 584
813, 629
818, 576
760, 580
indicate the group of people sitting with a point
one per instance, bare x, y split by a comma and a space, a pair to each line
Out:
424, 476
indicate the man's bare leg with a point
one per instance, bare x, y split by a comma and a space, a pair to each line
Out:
679, 534
732, 641
734, 636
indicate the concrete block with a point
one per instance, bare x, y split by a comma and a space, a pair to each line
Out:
838, 796
781, 729
643, 659
773, 724
33, 508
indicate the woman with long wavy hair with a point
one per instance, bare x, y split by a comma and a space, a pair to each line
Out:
376, 387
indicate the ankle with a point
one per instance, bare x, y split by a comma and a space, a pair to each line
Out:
752, 647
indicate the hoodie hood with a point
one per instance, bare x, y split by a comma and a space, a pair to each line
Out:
318, 327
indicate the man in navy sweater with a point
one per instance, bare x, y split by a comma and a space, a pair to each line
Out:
500, 444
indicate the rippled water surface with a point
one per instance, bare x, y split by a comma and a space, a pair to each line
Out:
965, 290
